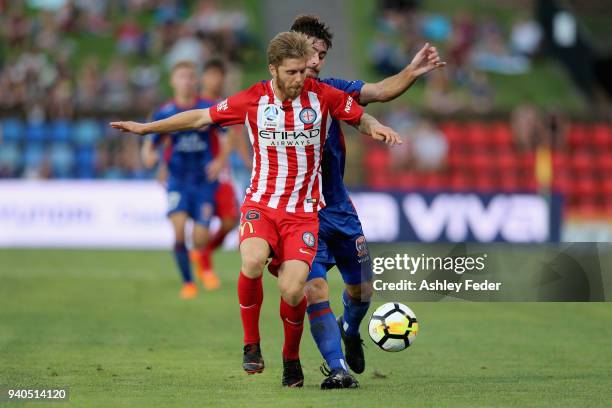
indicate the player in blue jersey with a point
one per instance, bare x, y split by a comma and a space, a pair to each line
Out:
192, 157
341, 239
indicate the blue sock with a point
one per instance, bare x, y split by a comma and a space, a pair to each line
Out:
181, 255
326, 334
354, 312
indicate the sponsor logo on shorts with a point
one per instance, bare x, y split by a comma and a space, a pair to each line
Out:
244, 226
308, 116
309, 239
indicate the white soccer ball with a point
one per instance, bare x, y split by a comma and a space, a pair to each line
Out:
393, 326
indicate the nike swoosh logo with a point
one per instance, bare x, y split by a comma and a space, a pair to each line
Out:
247, 307
294, 323
305, 252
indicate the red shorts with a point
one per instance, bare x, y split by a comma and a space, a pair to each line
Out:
225, 201
292, 236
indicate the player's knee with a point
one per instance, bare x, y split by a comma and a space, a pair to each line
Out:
200, 242
253, 265
292, 294
316, 291
292, 290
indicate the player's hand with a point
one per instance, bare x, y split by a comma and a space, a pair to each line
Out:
385, 134
427, 59
133, 127
214, 168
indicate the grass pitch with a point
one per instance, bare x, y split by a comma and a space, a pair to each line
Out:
110, 326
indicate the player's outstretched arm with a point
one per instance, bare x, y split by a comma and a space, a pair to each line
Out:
188, 120
370, 126
427, 59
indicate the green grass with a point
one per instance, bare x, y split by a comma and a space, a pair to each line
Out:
109, 325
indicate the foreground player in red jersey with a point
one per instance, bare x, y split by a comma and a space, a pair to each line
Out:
287, 119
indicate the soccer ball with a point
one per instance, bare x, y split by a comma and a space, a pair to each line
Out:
393, 326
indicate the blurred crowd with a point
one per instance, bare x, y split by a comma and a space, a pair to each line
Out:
63, 60
89, 55
472, 47
68, 66
425, 146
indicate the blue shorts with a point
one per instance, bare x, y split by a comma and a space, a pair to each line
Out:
342, 243
197, 200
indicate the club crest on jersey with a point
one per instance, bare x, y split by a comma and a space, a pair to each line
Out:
308, 116
308, 238
271, 115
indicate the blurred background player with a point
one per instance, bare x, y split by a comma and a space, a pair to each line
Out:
193, 161
341, 239
226, 205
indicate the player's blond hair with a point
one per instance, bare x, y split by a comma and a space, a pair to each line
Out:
288, 44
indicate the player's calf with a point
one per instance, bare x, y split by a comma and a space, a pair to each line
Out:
353, 347
362, 291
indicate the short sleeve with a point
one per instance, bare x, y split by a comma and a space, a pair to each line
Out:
342, 106
352, 88
230, 111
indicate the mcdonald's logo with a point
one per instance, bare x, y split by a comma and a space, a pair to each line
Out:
243, 225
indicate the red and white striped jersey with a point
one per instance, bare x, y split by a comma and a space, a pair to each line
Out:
288, 139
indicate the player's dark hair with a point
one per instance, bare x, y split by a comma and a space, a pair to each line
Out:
215, 63
312, 26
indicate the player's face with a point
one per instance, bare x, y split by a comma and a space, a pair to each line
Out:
317, 60
290, 76
212, 81
184, 82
